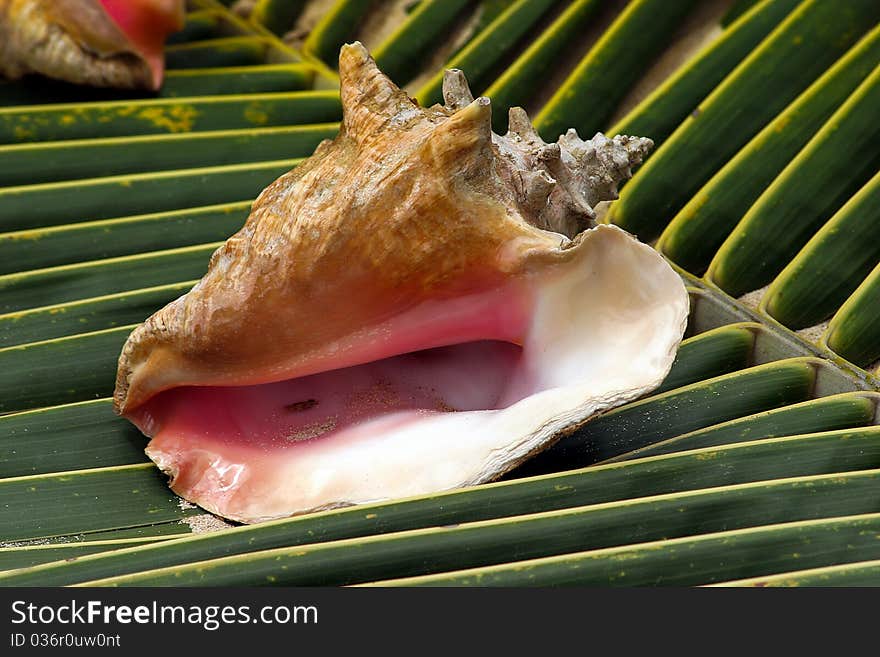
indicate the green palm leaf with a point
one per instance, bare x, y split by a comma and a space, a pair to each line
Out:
755, 462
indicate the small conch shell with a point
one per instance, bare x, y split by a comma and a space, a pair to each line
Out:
416, 307
103, 43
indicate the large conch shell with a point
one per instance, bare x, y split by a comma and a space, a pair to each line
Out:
416, 307
103, 43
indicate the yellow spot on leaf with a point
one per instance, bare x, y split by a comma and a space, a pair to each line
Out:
256, 114
23, 134
23, 235
781, 123
174, 118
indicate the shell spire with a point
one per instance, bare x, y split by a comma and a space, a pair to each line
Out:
558, 184
555, 185
370, 100
601, 163
463, 139
466, 136
456, 91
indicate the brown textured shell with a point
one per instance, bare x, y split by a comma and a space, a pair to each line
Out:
405, 205
73, 40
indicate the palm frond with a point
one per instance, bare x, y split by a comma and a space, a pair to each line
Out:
757, 462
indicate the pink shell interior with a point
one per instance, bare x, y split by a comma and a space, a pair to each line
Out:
219, 442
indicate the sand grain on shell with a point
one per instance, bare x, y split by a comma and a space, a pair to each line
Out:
312, 430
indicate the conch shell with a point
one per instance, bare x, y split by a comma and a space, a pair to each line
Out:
416, 307
103, 43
